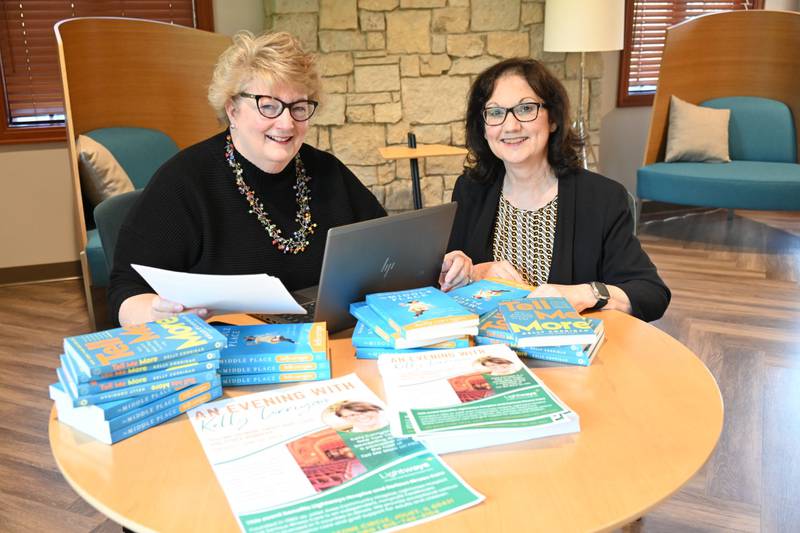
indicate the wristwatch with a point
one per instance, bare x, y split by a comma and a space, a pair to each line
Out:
600, 292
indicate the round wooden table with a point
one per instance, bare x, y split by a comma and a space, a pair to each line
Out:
650, 413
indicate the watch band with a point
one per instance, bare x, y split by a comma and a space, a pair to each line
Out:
601, 293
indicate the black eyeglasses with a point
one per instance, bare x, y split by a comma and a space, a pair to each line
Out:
524, 112
271, 107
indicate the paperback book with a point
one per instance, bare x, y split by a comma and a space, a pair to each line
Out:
493, 330
266, 341
375, 329
229, 369
573, 354
123, 382
237, 380
268, 359
264, 449
483, 296
170, 385
136, 420
424, 313
474, 397
550, 321
212, 355
115, 408
120, 349
373, 353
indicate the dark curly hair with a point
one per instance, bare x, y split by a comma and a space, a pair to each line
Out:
562, 146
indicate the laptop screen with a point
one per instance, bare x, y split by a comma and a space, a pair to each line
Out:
396, 252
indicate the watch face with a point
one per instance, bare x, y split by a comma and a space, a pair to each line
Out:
600, 290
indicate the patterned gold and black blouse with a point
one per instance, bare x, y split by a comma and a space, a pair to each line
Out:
525, 239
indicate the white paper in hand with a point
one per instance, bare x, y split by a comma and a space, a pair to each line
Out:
249, 293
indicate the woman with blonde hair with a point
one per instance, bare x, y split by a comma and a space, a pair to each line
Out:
363, 416
252, 199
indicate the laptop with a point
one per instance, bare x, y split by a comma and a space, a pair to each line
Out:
391, 253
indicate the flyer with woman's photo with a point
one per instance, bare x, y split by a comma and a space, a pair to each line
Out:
320, 456
469, 398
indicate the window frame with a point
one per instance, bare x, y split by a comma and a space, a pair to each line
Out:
624, 99
204, 16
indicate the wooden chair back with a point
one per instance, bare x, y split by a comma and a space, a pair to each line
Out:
738, 53
135, 73
121, 72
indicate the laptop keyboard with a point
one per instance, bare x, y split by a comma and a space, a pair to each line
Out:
309, 306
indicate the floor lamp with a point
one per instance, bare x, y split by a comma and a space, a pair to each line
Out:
583, 26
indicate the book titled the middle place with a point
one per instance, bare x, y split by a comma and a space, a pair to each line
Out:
275, 343
422, 313
550, 321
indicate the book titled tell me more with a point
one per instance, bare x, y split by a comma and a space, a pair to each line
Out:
113, 350
550, 321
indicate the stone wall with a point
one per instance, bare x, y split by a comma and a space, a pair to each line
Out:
394, 66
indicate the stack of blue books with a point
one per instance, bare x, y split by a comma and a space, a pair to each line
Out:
410, 320
116, 383
274, 353
548, 329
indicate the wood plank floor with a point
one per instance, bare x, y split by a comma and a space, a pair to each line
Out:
736, 304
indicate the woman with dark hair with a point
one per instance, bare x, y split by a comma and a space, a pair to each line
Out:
529, 212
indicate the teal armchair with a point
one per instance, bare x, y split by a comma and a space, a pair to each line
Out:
745, 61
139, 88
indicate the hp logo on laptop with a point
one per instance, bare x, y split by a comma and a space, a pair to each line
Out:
387, 268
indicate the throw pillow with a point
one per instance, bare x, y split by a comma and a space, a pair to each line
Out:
101, 175
697, 133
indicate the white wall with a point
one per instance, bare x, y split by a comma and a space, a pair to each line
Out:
36, 206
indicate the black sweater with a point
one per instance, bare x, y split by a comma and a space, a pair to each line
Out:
594, 238
192, 218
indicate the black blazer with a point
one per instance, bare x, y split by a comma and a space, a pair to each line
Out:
594, 238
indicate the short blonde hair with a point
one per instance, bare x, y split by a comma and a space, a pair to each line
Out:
275, 58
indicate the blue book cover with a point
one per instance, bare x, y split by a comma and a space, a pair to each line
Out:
548, 321
118, 349
421, 313
494, 325
104, 432
573, 354
160, 365
365, 337
374, 322
171, 385
274, 339
483, 296
98, 386
274, 377
373, 353
164, 415
94, 416
370, 319
114, 408
227, 369
266, 359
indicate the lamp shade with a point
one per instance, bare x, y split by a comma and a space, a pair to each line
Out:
583, 25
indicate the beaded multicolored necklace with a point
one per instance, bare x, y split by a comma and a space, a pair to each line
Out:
299, 240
